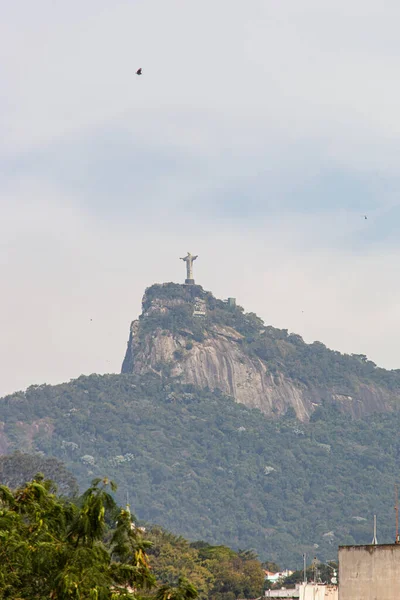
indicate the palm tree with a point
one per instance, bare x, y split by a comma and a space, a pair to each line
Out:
51, 548
183, 590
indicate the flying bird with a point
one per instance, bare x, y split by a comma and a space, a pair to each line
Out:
365, 217
139, 71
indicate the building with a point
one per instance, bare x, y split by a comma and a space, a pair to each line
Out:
200, 308
283, 593
318, 591
306, 591
274, 577
370, 572
231, 302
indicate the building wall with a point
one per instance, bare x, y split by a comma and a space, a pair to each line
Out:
317, 591
306, 591
332, 592
369, 572
287, 594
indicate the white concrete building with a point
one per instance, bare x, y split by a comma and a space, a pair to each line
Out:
318, 591
306, 591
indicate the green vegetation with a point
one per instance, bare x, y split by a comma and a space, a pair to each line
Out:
217, 572
172, 557
236, 575
182, 590
201, 465
195, 462
51, 548
17, 468
172, 291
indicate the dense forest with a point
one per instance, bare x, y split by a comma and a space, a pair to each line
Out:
203, 466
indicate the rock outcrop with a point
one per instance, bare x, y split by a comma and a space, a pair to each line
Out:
186, 334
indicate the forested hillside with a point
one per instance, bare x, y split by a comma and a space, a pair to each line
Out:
203, 466
18, 468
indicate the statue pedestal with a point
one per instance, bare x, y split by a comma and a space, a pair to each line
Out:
189, 281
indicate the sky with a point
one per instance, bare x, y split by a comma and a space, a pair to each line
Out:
258, 137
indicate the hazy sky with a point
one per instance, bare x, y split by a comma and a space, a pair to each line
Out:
258, 136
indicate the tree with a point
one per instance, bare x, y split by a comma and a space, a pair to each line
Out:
52, 548
172, 556
182, 590
17, 468
237, 575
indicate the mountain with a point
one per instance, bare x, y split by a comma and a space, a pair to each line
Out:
304, 471
206, 467
187, 335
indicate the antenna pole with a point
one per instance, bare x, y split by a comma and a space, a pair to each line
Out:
374, 539
396, 492
304, 568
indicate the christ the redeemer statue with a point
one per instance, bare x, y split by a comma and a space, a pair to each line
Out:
189, 268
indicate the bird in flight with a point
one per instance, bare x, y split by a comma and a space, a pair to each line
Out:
139, 71
365, 217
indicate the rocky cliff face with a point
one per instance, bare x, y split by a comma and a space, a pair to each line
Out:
186, 334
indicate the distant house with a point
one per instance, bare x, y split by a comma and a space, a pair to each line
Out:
274, 577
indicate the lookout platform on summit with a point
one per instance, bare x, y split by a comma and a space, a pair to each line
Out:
200, 309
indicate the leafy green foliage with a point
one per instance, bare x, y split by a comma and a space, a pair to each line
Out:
183, 590
51, 548
236, 574
218, 572
172, 557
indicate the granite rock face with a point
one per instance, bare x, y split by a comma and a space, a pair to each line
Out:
203, 351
